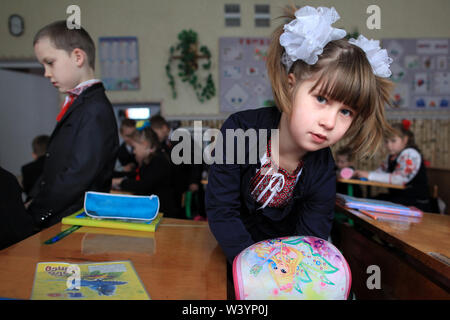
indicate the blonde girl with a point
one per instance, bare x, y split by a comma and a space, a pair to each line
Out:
325, 88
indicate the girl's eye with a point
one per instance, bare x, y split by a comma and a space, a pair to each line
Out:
49, 62
347, 112
321, 99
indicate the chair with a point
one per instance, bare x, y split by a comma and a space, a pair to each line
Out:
299, 268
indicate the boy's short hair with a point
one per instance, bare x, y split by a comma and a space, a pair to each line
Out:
68, 39
127, 123
158, 121
39, 144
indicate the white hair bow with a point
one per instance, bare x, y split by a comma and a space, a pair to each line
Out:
378, 58
305, 37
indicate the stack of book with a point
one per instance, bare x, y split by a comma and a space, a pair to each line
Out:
379, 209
81, 219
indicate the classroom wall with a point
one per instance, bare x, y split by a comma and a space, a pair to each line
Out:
157, 23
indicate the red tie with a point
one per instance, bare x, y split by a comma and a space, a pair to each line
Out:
66, 106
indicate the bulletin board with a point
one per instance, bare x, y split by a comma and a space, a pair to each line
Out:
244, 83
421, 73
119, 63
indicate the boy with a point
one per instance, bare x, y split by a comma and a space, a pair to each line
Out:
83, 146
188, 176
126, 155
31, 171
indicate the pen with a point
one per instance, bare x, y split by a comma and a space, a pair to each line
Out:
61, 235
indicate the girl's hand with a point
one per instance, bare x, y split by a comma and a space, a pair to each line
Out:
361, 174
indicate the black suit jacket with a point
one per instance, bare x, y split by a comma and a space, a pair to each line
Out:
31, 173
80, 157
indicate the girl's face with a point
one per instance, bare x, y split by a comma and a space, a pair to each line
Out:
396, 144
142, 150
316, 122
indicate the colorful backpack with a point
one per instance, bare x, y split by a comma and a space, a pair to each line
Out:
303, 268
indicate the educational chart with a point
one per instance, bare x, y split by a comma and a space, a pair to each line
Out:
243, 77
88, 281
119, 63
421, 72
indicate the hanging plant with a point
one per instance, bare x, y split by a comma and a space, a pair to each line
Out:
187, 55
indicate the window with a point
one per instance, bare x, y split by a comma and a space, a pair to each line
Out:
232, 15
262, 15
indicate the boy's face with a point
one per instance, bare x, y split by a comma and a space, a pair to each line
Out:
342, 161
61, 68
127, 134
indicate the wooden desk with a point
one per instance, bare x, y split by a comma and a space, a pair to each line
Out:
369, 184
372, 183
402, 251
181, 260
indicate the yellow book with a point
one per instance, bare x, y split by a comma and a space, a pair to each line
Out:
81, 219
112, 280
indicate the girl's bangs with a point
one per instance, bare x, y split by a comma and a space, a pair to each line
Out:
347, 83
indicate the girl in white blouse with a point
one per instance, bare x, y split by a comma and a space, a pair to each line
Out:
403, 166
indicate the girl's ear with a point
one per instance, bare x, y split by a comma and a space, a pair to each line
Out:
291, 81
79, 56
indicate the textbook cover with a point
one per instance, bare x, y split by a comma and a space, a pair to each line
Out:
81, 219
114, 280
377, 205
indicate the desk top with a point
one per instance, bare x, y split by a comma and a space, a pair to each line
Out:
372, 183
181, 260
431, 234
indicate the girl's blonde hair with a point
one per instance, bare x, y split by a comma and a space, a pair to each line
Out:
343, 74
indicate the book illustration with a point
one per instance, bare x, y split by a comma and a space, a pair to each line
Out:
87, 281
292, 268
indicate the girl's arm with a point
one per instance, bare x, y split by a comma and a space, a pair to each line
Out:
317, 210
408, 164
223, 204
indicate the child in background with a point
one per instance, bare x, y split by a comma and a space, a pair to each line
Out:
344, 159
188, 175
153, 172
31, 171
404, 165
16, 224
83, 146
125, 154
324, 87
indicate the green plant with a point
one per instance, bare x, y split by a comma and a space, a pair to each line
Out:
188, 66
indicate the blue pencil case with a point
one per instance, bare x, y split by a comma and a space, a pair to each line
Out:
119, 206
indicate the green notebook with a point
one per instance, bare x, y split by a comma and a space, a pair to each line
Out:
81, 219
